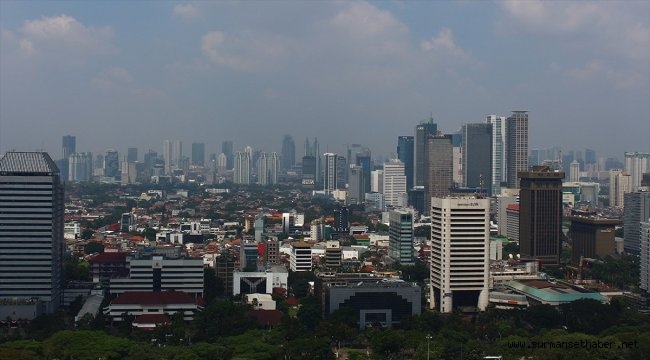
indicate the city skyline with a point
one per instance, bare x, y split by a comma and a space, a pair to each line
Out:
346, 72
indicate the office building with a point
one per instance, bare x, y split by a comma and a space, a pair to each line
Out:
540, 214
288, 152
172, 154
574, 171
132, 154
268, 165
111, 164
31, 232
242, 171
636, 210
636, 164
356, 185
341, 172
460, 240
477, 156
198, 154
645, 256
377, 181
309, 170
300, 258
592, 237
333, 254
341, 225
420, 165
516, 146
69, 147
405, 148
441, 167
363, 160
620, 183
498, 151
394, 182
331, 173
400, 235
502, 203
227, 150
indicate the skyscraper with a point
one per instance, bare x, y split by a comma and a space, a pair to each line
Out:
394, 184
341, 171
268, 165
405, 147
540, 214
111, 164
516, 146
636, 211
31, 229
400, 236
498, 151
441, 166
172, 154
69, 148
132, 154
420, 165
356, 185
288, 152
477, 156
81, 166
363, 159
198, 154
636, 164
242, 171
331, 172
308, 170
460, 240
227, 149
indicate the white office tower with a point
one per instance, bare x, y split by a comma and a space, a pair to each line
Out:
377, 181
498, 151
242, 172
620, 183
172, 154
645, 256
80, 166
31, 234
394, 183
263, 169
330, 176
574, 171
460, 240
636, 164
222, 163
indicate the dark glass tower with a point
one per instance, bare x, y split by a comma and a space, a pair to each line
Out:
198, 154
422, 132
288, 152
405, 147
477, 156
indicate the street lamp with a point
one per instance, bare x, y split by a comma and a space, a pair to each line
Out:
429, 337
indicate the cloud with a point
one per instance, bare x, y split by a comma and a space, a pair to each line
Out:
59, 34
444, 44
614, 27
244, 52
597, 69
112, 78
186, 12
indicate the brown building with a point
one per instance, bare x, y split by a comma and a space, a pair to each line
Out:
592, 237
540, 214
440, 168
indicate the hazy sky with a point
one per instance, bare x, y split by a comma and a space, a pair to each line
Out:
121, 73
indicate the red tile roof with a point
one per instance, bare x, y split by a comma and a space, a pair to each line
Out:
109, 257
153, 298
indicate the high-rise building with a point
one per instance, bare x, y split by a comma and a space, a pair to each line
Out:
308, 170
516, 146
498, 151
645, 256
172, 154
620, 183
227, 149
198, 154
400, 236
540, 214
574, 171
331, 173
288, 152
460, 240
394, 184
81, 167
590, 157
268, 165
420, 164
31, 230
341, 172
341, 224
377, 181
477, 156
636, 164
363, 159
441, 167
636, 210
242, 172
132, 154
592, 237
111, 164
356, 185
405, 147
69, 148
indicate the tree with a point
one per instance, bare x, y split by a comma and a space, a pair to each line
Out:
94, 247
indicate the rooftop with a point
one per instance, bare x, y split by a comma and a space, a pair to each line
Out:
548, 292
153, 298
23, 163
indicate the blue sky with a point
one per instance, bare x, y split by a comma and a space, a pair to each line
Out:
121, 74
